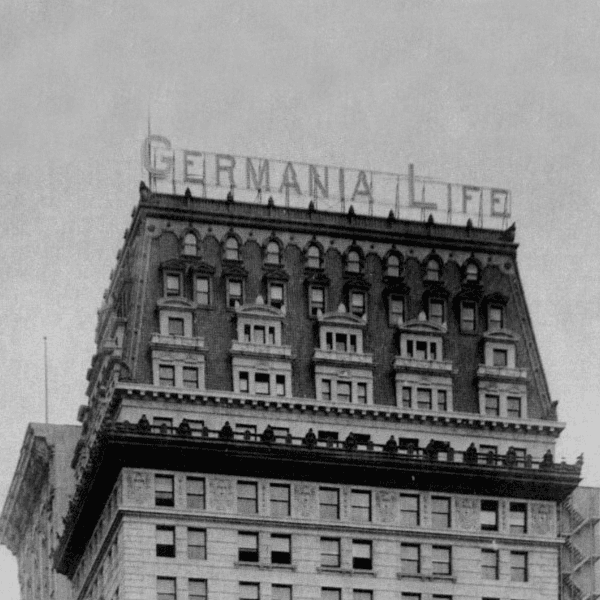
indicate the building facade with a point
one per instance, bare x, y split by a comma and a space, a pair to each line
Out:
38, 498
296, 404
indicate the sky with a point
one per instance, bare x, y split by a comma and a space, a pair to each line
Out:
502, 93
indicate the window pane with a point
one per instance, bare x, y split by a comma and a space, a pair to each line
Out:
467, 316
495, 317
165, 541
353, 262
423, 399
440, 512
492, 405
518, 517
272, 255
165, 588
331, 594
406, 397
276, 295
489, 515
202, 291
344, 391
513, 407
499, 357
330, 552
234, 292
280, 500
489, 564
436, 311
393, 266
166, 375
175, 326
281, 592
362, 595
195, 492
326, 389
411, 559
190, 377
518, 566
357, 303
361, 393
409, 511
313, 257
247, 546
247, 498
396, 310
442, 400
261, 383
197, 589
317, 300
249, 591
281, 549
441, 560
232, 249
173, 285
197, 544
163, 486
362, 554
329, 503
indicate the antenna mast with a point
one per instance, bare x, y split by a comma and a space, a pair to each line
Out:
46, 376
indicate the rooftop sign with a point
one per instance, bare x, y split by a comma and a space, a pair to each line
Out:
332, 188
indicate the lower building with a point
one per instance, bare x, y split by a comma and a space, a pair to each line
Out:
32, 518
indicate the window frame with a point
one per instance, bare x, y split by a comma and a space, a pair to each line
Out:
414, 521
275, 504
166, 595
337, 553
468, 325
436, 515
447, 572
168, 291
200, 294
490, 508
248, 543
234, 297
168, 496
193, 498
516, 570
409, 565
231, 248
517, 527
164, 549
272, 258
316, 260
197, 548
243, 501
192, 594
186, 244
395, 317
324, 507
490, 567
281, 557
314, 307
360, 562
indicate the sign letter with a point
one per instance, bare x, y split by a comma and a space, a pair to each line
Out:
192, 167
228, 167
289, 180
166, 158
469, 193
362, 187
499, 203
315, 185
257, 181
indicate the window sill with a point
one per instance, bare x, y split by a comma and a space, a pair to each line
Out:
420, 577
264, 566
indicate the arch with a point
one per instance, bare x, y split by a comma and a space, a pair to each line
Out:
393, 264
231, 247
190, 244
354, 259
433, 266
272, 252
471, 270
314, 256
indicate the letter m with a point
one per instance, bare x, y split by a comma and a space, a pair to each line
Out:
256, 181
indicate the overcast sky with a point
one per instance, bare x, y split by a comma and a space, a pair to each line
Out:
502, 93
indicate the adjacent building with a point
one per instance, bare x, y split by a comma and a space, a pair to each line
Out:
296, 404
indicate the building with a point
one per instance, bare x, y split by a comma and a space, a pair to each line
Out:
31, 520
580, 569
291, 403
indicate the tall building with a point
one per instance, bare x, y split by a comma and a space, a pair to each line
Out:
38, 497
296, 404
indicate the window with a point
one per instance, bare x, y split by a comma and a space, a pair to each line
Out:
330, 552
495, 317
492, 405
410, 559
440, 597
276, 295
313, 257
190, 244
232, 249
165, 541
489, 515
197, 589
410, 596
272, 253
165, 588
344, 391
421, 350
196, 492
499, 357
234, 292
442, 560
280, 385
326, 389
357, 303
175, 326
249, 591
433, 270
261, 383
329, 503
518, 517
489, 564
244, 382
163, 490
442, 400
406, 397
197, 544
409, 510
513, 407
361, 393
316, 300
471, 272
281, 592
436, 311
362, 595
423, 399
467, 316
247, 498
247, 546
331, 594
166, 375
353, 262
362, 554
203, 291
281, 549
280, 500
190, 377
392, 267
440, 512
395, 310
518, 566
173, 284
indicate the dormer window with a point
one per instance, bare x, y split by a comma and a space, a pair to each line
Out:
495, 317
468, 315
436, 311
422, 350
232, 249
260, 334
392, 268
316, 300
395, 309
471, 272
353, 262
499, 357
313, 257
358, 303
272, 253
276, 294
173, 284
175, 326
341, 342
235, 292
190, 244
202, 290
433, 271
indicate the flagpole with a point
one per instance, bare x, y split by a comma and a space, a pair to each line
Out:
46, 377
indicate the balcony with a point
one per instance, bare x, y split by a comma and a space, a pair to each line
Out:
176, 342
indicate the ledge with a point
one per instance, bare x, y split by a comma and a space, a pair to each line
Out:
264, 566
420, 577
252, 349
346, 358
430, 366
176, 342
488, 372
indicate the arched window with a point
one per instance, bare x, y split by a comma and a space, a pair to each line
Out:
272, 253
433, 270
313, 257
472, 272
232, 249
393, 266
353, 262
190, 244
